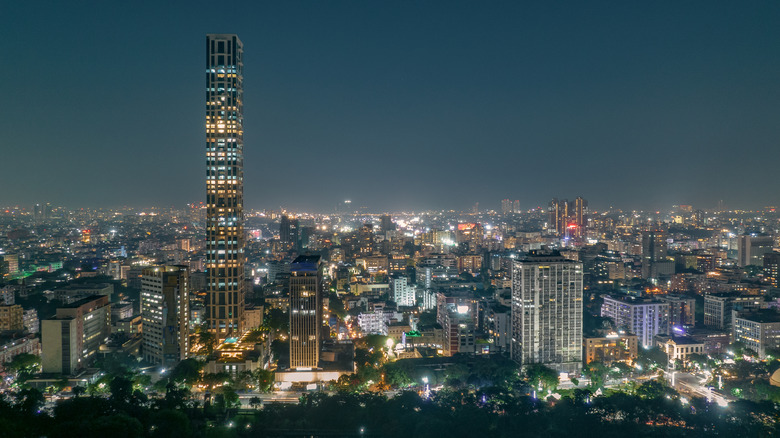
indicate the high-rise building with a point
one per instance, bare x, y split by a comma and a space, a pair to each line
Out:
387, 223
305, 312
719, 309
225, 256
288, 230
506, 206
568, 218
772, 268
751, 249
547, 311
580, 215
654, 251
165, 311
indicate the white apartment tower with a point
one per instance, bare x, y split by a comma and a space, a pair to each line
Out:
547, 311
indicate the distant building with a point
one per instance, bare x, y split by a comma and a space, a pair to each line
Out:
719, 308
374, 323
121, 310
751, 249
547, 311
71, 339
11, 317
403, 293
644, 318
75, 292
772, 268
567, 218
7, 296
166, 314
30, 321
457, 314
305, 312
499, 326
682, 310
386, 223
289, 230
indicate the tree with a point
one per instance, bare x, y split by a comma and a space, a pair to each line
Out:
264, 379
653, 389
649, 358
255, 402
541, 377
597, 373
24, 363
187, 371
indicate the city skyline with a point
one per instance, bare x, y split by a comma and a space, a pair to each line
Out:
441, 94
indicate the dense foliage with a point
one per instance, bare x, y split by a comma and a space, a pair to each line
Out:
653, 410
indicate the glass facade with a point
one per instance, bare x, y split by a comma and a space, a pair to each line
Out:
225, 256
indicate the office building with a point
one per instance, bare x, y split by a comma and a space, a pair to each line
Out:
758, 331
305, 312
289, 230
547, 311
772, 268
386, 223
655, 261
225, 256
719, 308
751, 249
644, 318
166, 314
72, 338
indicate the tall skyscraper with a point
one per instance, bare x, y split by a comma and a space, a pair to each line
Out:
165, 309
568, 218
547, 311
305, 312
224, 185
288, 230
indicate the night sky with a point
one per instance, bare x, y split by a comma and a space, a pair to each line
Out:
397, 105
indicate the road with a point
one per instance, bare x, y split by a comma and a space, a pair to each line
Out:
273, 397
687, 383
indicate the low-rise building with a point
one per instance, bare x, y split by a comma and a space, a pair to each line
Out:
680, 348
610, 348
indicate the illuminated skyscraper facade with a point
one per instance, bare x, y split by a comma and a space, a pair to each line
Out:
224, 185
547, 312
305, 312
